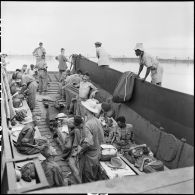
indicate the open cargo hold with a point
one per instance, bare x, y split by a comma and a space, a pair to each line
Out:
165, 144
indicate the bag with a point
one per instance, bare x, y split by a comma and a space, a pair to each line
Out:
139, 150
17, 102
153, 166
28, 172
107, 152
124, 89
21, 115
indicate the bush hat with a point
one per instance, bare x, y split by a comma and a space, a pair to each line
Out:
139, 46
90, 105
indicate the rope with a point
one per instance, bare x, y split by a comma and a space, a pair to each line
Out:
126, 86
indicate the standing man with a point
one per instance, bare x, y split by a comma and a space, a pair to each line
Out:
103, 59
42, 75
39, 52
62, 62
151, 63
89, 149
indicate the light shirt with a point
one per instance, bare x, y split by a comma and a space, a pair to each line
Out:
62, 62
41, 64
156, 70
39, 51
84, 89
31, 72
103, 56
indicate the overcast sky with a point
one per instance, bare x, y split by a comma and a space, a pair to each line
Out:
77, 25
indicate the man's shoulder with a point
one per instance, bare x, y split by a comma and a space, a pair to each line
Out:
129, 126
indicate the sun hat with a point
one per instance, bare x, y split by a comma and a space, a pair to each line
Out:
98, 43
139, 46
61, 115
90, 105
116, 162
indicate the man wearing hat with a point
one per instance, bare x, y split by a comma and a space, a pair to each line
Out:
39, 52
103, 59
151, 63
89, 149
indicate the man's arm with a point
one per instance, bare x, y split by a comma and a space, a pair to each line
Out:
140, 69
147, 72
34, 52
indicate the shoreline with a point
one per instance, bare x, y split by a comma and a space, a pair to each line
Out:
122, 59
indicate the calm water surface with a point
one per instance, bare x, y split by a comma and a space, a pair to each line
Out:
177, 76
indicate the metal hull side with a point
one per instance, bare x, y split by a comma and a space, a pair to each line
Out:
172, 110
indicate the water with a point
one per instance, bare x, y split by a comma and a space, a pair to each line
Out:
177, 76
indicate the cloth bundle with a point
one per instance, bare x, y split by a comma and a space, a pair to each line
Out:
142, 157
21, 114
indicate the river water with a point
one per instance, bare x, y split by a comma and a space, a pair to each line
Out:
177, 76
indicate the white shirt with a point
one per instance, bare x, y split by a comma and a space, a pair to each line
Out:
103, 56
85, 88
156, 71
39, 51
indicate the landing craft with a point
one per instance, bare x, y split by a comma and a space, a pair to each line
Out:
162, 119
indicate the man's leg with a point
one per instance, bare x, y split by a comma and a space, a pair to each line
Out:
40, 84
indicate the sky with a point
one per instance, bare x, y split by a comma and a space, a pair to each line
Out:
165, 28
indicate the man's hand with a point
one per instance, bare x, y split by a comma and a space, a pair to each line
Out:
143, 79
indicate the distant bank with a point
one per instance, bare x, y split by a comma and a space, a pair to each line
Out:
124, 59
173, 60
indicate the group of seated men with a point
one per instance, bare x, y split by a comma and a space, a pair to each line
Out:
95, 123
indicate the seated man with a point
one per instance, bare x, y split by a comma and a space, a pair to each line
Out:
24, 69
78, 135
106, 117
62, 135
86, 90
122, 135
51, 169
26, 142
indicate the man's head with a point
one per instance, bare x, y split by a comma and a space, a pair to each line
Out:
32, 66
47, 150
40, 44
36, 119
18, 75
18, 70
68, 72
62, 50
78, 121
121, 121
24, 67
139, 49
98, 44
79, 71
86, 76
